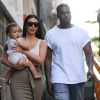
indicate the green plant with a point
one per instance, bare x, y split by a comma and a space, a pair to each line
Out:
96, 41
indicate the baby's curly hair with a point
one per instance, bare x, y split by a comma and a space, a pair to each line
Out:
9, 27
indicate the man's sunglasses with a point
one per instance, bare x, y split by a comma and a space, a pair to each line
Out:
36, 24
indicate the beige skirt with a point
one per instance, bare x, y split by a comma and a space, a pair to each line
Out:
24, 87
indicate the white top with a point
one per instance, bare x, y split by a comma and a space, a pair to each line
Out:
13, 56
67, 55
36, 48
10, 43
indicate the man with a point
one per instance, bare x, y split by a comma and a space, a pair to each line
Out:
64, 69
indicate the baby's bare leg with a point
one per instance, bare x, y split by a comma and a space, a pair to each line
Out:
33, 70
30, 66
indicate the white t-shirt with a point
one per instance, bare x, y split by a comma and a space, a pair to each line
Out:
67, 56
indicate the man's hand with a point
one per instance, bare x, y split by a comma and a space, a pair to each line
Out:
50, 88
90, 75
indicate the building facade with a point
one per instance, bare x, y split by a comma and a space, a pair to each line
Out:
16, 11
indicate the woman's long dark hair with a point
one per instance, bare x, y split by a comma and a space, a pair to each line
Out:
40, 32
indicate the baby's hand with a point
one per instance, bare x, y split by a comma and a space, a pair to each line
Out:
19, 41
23, 44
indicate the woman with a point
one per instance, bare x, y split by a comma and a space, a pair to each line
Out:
23, 85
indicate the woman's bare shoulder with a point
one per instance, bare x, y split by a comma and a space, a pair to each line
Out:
43, 42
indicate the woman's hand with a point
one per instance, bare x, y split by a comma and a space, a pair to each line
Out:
16, 66
23, 62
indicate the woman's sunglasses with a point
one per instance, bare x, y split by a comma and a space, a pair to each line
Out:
36, 24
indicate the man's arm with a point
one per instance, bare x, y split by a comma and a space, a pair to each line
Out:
47, 67
89, 59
